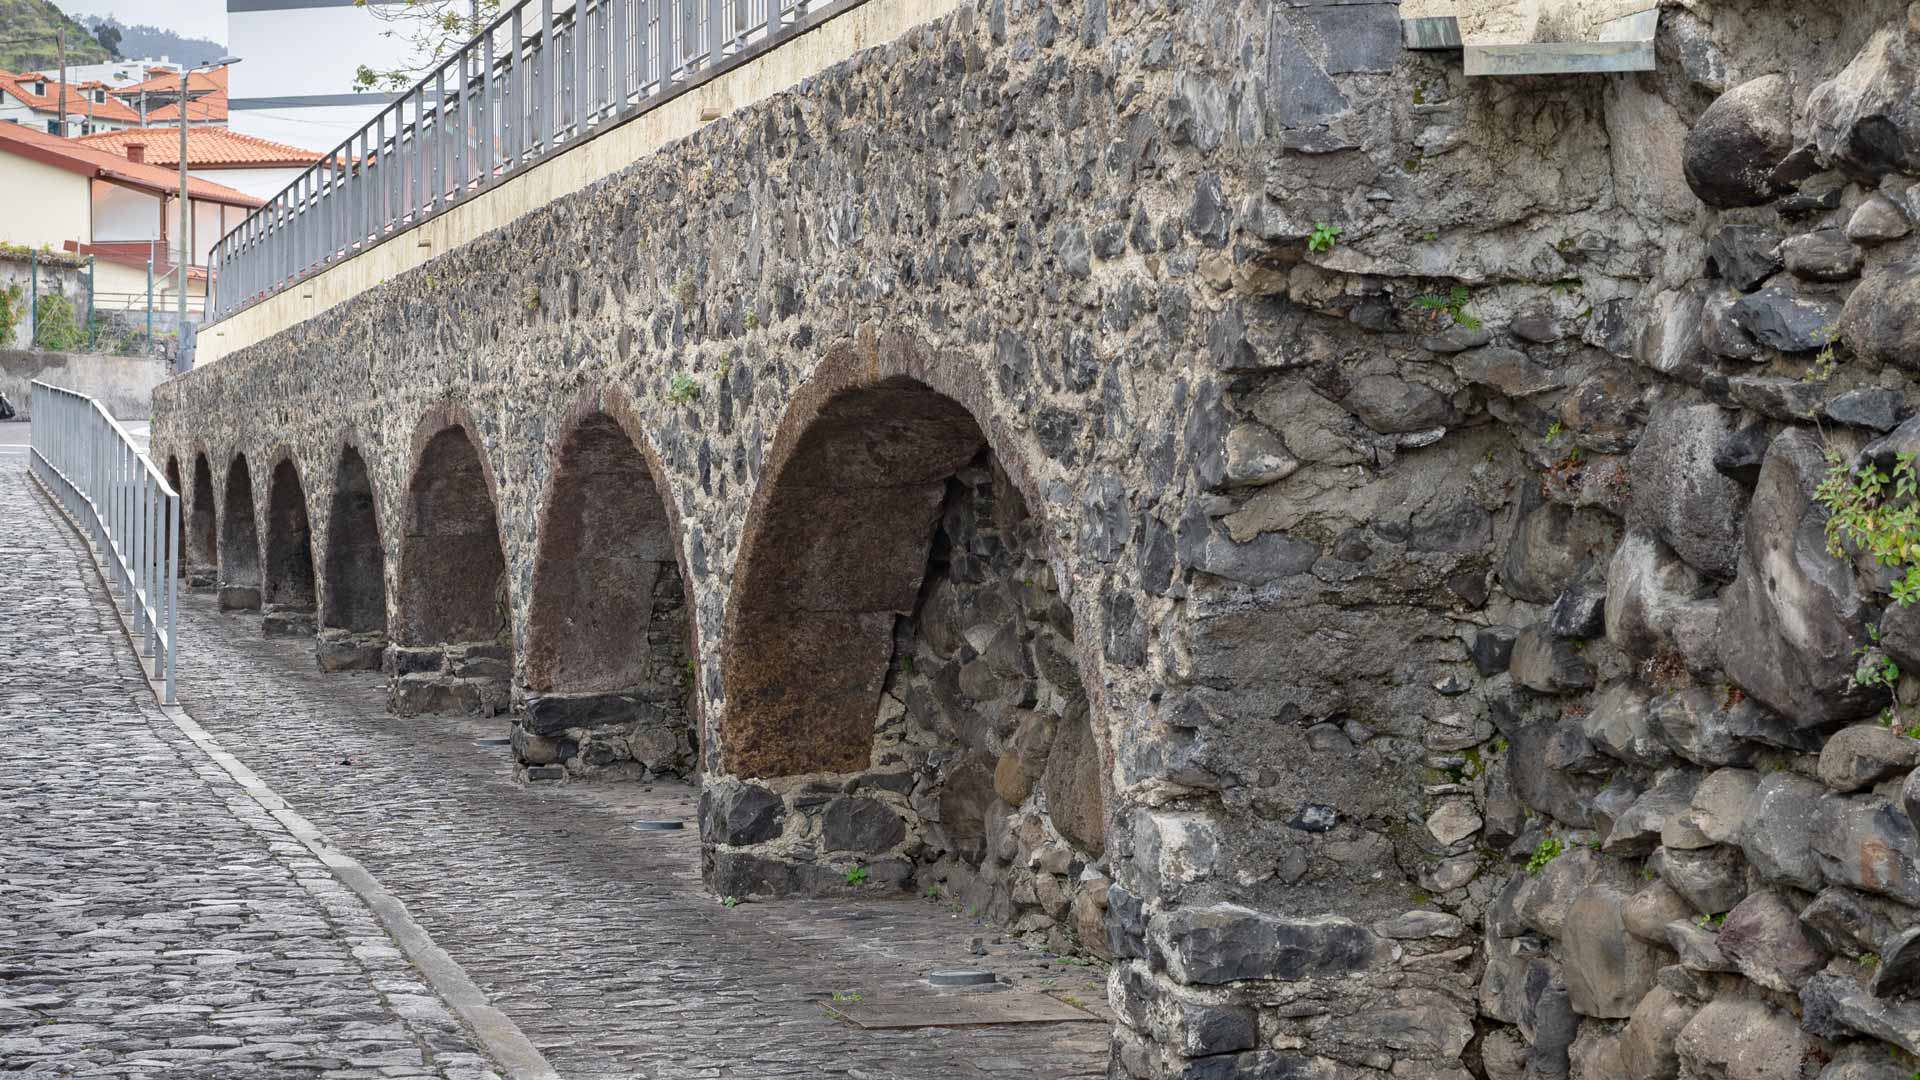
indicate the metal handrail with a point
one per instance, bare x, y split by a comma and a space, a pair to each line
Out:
531, 84
125, 508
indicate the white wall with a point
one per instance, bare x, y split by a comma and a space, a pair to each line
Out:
40, 204
121, 214
260, 183
311, 52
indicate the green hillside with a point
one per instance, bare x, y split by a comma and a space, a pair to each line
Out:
28, 30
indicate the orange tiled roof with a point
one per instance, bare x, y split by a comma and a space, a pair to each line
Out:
207, 148
79, 97
99, 163
207, 90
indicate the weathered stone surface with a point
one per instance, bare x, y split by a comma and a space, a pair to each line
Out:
1552, 665
1617, 724
861, 825
1580, 611
1877, 221
1775, 837
1733, 148
1869, 844
1648, 911
1783, 319
1743, 1040
1822, 255
1072, 786
744, 814
1647, 1052
1679, 494
1492, 649
1849, 922
1256, 456
1836, 1007
1881, 321
1697, 947
1550, 545
1698, 729
1763, 936
1712, 879
1866, 118
1545, 899
1207, 946
1720, 804
1637, 831
1862, 755
1864, 1062
1025, 760
1790, 621
1745, 256
1899, 970
1877, 410
1607, 969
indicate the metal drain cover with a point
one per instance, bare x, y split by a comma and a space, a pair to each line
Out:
659, 826
961, 977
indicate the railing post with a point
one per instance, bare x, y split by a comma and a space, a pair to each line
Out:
544, 98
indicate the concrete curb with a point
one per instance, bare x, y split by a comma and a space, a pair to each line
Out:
495, 1030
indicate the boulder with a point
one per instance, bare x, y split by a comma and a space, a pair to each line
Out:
1551, 544
1697, 947
1864, 1062
1617, 725
1693, 723
866, 826
1256, 456
1899, 970
1650, 910
1606, 412
1673, 335
1680, 496
1492, 649
1721, 333
1879, 220
1562, 796
1647, 1052
1719, 807
1881, 321
1608, 970
744, 814
1744, 256
1580, 610
1866, 119
1876, 410
1390, 406
1637, 831
1821, 255
1071, 782
1781, 318
1025, 760
1836, 1007
1711, 879
1869, 844
1735, 1039
1549, 664
1851, 923
1731, 152
1763, 936
1862, 755
1223, 943
1776, 838
1545, 900
1794, 614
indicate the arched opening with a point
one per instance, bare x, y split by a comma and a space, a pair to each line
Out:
895, 620
203, 550
354, 608
239, 541
606, 681
288, 596
453, 652
180, 524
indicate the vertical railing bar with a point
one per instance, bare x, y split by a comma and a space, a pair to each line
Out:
544, 103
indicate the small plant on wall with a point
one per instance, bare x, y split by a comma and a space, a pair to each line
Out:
11, 309
54, 325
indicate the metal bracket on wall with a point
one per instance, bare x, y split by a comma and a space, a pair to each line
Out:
1623, 44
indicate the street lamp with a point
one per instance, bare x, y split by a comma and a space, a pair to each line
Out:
186, 208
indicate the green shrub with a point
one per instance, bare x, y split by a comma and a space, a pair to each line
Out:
54, 325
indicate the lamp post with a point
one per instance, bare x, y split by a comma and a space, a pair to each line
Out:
186, 208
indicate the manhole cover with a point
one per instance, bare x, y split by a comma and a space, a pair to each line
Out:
493, 742
659, 826
961, 977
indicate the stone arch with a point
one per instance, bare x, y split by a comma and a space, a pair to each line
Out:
605, 671
239, 541
288, 593
897, 614
203, 534
353, 585
453, 648
180, 525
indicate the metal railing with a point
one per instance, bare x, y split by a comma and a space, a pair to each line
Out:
532, 84
124, 507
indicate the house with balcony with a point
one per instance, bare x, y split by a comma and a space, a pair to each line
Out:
36, 100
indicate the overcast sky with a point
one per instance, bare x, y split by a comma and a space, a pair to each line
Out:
190, 18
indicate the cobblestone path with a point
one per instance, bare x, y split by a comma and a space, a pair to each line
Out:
155, 921
599, 940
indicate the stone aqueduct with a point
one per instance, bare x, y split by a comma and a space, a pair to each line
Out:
1395, 651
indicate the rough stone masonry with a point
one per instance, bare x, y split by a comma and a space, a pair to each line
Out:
1415, 651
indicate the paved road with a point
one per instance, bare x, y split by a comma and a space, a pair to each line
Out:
156, 921
599, 940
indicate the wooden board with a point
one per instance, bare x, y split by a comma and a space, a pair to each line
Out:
959, 1010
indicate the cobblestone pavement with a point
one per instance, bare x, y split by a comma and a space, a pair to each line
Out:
598, 940
155, 921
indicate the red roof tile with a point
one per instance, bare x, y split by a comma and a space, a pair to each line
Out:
79, 98
102, 164
207, 148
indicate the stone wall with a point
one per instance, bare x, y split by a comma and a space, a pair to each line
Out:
1468, 682
124, 384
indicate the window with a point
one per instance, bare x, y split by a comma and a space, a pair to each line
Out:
100, 96
53, 127
39, 88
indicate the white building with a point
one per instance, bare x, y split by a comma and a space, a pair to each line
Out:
296, 83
